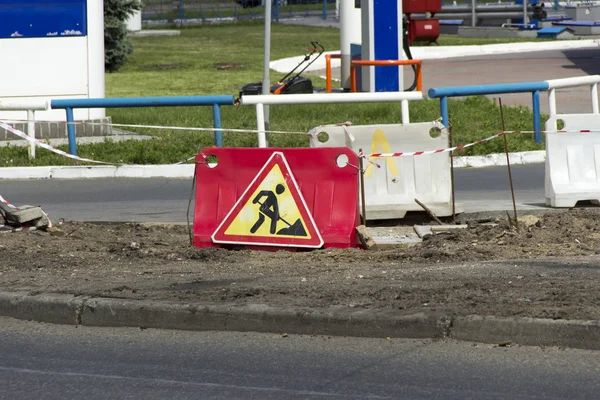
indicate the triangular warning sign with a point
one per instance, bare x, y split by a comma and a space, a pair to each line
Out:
270, 212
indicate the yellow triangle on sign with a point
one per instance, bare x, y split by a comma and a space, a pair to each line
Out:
270, 211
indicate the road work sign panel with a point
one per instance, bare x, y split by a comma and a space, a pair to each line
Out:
270, 212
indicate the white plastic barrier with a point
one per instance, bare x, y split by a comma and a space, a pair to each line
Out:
391, 189
572, 160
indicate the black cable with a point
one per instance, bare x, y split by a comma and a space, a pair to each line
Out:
406, 46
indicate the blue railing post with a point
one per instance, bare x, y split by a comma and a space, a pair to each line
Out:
181, 13
537, 117
324, 9
217, 124
71, 131
444, 110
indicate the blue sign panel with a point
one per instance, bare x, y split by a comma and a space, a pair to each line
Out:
42, 18
386, 39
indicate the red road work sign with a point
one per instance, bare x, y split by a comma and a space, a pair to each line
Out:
271, 211
277, 198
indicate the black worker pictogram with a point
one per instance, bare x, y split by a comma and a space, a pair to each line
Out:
269, 208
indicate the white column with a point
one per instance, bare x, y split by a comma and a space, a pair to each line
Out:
350, 32
95, 49
368, 45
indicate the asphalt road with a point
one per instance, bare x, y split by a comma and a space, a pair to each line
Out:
166, 200
40, 361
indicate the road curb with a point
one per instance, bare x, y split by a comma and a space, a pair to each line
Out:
187, 170
68, 309
528, 331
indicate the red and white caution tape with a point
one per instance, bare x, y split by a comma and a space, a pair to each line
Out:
6, 203
10, 229
173, 128
429, 152
186, 128
48, 147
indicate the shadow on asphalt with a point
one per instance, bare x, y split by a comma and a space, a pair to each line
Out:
586, 60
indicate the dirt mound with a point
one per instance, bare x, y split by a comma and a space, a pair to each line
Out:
547, 269
572, 233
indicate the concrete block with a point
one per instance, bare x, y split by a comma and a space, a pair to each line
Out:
423, 230
445, 228
24, 215
365, 238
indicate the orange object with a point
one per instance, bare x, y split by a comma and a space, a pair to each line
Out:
383, 63
328, 58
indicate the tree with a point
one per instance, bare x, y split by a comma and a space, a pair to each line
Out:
117, 46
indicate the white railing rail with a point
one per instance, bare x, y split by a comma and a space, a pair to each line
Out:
31, 106
591, 81
325, 98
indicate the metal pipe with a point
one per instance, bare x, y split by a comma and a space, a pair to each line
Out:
594, 93
71, 131
524, 14
384, 63
574, 81
266, 85
480, 15
444, 110
31, 131
23, 105
329, 98
552, 102
481, 8
217, 124
537, 116
181, 13
405, 113
260, 123
456, 91
362, 187
167, 101
473, 13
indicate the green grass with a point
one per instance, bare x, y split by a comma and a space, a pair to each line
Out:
186, 65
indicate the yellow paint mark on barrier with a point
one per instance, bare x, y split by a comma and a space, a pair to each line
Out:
380, 141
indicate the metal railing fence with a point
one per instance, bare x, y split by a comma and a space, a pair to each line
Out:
195, 12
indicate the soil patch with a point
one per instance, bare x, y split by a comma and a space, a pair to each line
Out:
549, 269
